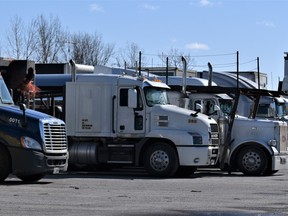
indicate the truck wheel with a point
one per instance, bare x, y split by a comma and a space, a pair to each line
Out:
5, 164
252, 161
161, 160
31, 178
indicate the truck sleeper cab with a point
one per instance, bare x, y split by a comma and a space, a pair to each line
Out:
32, 144
114, 119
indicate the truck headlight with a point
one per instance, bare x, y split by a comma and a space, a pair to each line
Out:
273, 143
197, 138
30, 143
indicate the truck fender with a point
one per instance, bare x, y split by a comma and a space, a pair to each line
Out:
181, 140
234, 152
142, 145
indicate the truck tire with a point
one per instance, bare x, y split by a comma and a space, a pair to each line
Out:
5, 164
252, 161
161, 160
31, 178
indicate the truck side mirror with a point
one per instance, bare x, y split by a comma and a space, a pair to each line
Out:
132, 98
23, 108
198, 108
272, 110
184, 103
216, 108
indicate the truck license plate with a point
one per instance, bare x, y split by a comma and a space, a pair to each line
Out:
56, 170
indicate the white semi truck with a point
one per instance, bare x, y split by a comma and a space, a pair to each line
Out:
255, 146
118, 119
252, 145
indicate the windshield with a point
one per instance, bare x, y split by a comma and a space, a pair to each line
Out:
155, 96
5, 97
226, 106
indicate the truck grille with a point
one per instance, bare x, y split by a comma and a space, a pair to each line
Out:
214, 128
214, 135
54, 135
283, 148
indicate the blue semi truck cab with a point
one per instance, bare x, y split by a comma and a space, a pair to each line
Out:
32, 144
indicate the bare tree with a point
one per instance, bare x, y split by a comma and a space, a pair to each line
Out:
90, 49
51, 40
129, 56
174, 58
30, 40
108, 53
21, 39
77, 49
15, 38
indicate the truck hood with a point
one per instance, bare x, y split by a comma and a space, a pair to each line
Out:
261, 121
246, 122
15, 111
259, 130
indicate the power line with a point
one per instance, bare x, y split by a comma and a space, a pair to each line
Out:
193, 56
247, 62
215, 65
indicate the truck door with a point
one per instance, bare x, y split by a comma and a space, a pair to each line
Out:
130, 119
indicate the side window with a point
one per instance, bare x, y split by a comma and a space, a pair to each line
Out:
209, 107
123, 97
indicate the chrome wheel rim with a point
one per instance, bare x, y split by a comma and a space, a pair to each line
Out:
159, 160
251, 161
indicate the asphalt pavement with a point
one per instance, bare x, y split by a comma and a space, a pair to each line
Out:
133, 192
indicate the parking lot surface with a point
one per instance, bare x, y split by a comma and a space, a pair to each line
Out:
133, 192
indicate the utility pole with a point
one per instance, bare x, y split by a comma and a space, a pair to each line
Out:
237, 62
258, 72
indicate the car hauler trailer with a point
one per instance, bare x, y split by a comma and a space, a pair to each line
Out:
119, 119
32, 144
252, 145
255, 146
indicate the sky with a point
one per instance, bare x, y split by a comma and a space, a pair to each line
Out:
208, 30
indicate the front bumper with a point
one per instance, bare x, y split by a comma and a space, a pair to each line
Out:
198, 155
30, 162
280, 162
